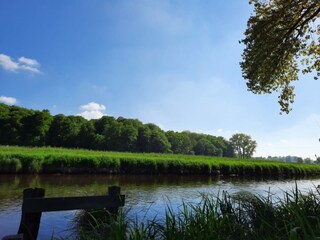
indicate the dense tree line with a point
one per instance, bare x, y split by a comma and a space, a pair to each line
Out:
25, 127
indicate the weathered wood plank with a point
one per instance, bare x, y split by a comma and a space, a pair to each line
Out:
114, 191
13, 237
32, 205
30, 221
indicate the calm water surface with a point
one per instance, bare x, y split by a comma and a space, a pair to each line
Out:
146, 196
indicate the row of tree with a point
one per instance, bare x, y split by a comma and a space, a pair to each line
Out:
25, 127
288, 159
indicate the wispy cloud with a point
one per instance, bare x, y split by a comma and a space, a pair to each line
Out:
8, 100
92, 110
28, 61
23, 63
152, 15
161, 15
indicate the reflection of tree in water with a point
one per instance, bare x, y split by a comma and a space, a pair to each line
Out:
147, 188
146, 195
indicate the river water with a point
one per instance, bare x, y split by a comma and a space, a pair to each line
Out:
146, 196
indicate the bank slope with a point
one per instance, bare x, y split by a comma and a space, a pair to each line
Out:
60, 160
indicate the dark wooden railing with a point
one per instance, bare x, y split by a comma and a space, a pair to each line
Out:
34, 203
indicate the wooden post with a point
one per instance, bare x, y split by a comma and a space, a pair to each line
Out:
34, 204
13, 237
30, 222
114, 191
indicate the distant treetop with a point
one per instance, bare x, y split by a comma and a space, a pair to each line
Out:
25, 127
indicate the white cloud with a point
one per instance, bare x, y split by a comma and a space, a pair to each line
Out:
92, 110
92, 106
7, 64
159, 15
28, 61
23, 63
8, 100
91, 114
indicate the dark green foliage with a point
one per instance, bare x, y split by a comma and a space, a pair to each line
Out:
129, 136
143, 140
35, 128
24, 127
64, 131
180, 142
205, 147
11, 124
159, 142
87, 137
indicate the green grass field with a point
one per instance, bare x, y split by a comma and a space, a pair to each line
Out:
59, 160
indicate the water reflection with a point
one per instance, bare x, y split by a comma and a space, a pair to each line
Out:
142, 192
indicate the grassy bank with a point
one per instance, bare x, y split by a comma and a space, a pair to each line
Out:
59, 160
240, 216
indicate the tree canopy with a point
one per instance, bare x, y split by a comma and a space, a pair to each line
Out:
281, 40
25, 127
243, 145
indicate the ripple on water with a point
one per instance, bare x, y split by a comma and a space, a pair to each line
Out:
146, 196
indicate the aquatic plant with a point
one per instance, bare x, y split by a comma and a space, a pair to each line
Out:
238, 216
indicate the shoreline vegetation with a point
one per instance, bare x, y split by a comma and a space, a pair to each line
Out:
226, 216
72, 161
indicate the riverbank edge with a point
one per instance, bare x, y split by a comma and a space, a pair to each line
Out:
72, 161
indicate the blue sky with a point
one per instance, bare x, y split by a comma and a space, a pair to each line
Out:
172, 63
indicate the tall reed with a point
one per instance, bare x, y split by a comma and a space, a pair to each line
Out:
238, 216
